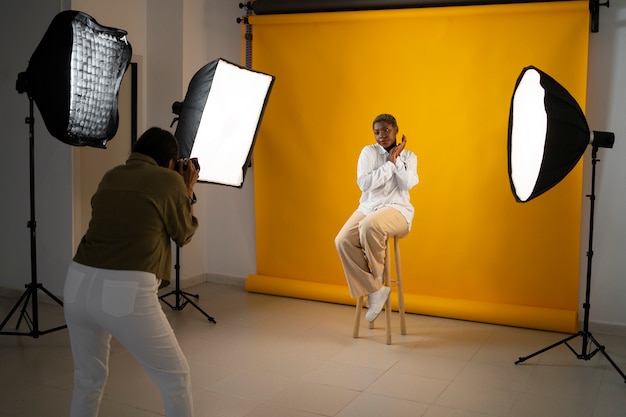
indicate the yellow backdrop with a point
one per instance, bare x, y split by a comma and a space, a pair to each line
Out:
447, 74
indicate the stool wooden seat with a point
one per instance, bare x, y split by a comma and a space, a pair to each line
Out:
390, 282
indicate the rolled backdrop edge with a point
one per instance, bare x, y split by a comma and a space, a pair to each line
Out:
539, 318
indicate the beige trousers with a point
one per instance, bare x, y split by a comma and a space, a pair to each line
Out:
361, 245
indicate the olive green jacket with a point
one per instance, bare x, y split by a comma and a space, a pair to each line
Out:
137, 210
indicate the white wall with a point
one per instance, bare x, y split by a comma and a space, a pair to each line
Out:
606, 100
176, 38
210, 32
21, 29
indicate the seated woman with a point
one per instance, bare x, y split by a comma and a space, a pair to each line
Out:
386, 171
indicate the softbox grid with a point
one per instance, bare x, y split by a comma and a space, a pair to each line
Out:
74, 77
97, 65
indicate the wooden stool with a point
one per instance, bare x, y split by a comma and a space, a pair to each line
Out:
388, 281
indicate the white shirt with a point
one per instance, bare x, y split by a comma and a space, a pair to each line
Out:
384, 184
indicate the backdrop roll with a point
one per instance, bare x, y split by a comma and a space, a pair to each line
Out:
447, 74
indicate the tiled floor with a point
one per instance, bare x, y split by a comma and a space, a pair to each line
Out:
279, 357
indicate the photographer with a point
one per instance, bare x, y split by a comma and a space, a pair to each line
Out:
123, 259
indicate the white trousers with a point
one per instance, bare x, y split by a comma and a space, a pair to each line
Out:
100, 303
361, 245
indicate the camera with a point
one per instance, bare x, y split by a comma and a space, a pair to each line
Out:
184, 162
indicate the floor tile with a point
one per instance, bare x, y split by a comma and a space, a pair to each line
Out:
273, 356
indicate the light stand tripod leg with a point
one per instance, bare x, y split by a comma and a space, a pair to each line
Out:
584, 356
24, 312
188, 300
25, 296
585, 333
30, 295
601, 349
564, 341
179, 294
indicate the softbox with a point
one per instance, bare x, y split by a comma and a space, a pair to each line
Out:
74, 77
548, 134
219, 119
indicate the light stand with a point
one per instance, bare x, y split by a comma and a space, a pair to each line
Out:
548, 134
217, 124
177, 292
31, 288
587, 352
182, 295
74, 77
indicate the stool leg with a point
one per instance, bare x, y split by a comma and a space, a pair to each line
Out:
357, 317
388, 319
396, 248
370, 325
387, 282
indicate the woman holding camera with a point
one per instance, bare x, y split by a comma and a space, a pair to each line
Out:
121, 262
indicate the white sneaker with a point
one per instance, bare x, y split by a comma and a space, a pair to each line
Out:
380, 279
367, 304
376, 302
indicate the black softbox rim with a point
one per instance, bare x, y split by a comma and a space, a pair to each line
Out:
47, 79
191, 109
567, 134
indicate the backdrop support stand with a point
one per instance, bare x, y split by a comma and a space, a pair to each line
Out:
182, 297
587, 351
30, 295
